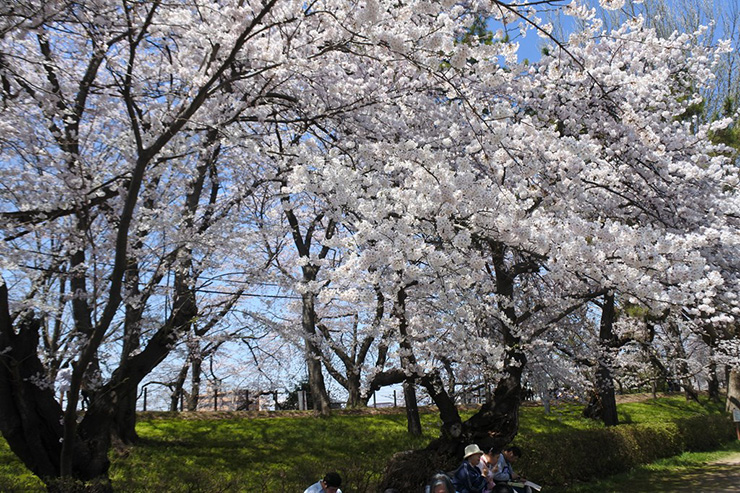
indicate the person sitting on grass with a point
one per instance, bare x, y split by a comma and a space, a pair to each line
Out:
505, 473
440, 483
468, 478
330, 484
489, 465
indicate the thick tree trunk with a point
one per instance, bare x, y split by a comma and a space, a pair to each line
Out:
713, 383
493, 426
179, 389
315, 373
354, 392
412, 408
31, 420
96, 431
497, 422
24, 421
602, 405
606, 405
451, 421
313, 360
408, 361
196, 365
733, 390
319, 395
125, 418
321, 401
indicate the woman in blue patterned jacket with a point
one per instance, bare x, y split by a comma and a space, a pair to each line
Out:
468, 478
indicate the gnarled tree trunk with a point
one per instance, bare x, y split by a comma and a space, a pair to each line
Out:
313, 361
604, 378
408, 360
733, 390
31, 422
493, 426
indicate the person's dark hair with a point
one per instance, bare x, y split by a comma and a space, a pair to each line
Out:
502, 488
333, 479
514, 450
441, 478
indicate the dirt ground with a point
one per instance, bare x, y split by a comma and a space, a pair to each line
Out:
720, 476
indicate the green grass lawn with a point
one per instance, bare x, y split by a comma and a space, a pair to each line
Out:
236, 453
263, 454
13, 474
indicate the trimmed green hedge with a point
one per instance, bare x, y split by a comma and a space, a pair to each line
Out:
581, 455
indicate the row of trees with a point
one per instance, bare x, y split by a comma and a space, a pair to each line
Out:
378, 183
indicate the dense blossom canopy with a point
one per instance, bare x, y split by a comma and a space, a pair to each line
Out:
157, 159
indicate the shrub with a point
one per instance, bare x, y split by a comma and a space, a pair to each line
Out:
581, 455
704, 433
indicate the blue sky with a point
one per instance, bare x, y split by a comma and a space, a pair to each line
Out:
531, 44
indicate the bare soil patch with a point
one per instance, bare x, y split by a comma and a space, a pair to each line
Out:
641, 397
720, 476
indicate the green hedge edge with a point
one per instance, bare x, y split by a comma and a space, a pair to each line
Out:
562, 458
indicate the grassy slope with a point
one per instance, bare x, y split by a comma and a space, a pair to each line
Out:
237, 453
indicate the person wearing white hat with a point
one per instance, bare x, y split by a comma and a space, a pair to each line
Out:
468, 478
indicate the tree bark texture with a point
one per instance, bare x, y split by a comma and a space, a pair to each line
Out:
412, 408
196, 363
713, 383
607, 402
408, 361
493, 426
178, 388
733, 390
31, 418
313, 360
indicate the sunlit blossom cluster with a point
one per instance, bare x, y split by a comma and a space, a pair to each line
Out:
354, 173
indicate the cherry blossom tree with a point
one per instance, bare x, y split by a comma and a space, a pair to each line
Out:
159, 157
132, 134
721, 21
720, 100
600, 200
